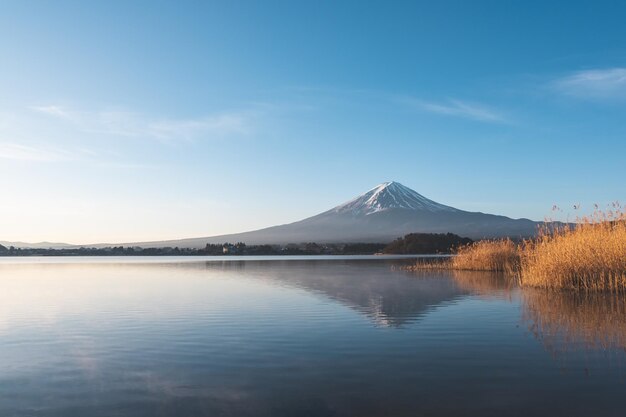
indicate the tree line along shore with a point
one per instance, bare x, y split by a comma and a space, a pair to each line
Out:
414, 243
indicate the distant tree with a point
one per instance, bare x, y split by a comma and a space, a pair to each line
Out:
362, 248
426, 243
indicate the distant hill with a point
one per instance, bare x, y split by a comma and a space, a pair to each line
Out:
38, 245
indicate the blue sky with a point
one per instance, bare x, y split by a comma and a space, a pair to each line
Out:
124, 121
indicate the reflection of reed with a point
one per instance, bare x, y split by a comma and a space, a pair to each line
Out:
562, 319
559, 319
484, 283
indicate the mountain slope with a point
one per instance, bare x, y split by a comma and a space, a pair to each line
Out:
385, 212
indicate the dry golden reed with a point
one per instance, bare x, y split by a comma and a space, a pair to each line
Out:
485, 255
488, 255
589, 255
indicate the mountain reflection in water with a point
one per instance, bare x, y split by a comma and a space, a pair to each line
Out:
389, 299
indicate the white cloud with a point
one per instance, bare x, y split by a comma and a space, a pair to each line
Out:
131, 124
596, 84
457, 108
19, 152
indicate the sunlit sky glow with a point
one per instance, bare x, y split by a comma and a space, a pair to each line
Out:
129, 121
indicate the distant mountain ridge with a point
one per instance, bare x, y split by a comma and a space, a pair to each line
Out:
382, 214
38, 245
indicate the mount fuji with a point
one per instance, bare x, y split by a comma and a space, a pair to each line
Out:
386, 212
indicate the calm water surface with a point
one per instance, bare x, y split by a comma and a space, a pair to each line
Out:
298, 337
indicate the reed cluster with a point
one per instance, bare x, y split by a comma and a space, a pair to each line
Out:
588, 255
485, 255
488, 255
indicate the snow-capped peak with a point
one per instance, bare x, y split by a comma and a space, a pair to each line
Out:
390, 195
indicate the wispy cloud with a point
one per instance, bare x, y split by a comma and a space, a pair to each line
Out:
457, 108
53, 111
132, 124
52, 133
221, 124
607, 83
20, 152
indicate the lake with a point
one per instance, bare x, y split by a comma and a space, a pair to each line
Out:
324, 336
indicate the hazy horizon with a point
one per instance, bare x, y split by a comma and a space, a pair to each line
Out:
129, 122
